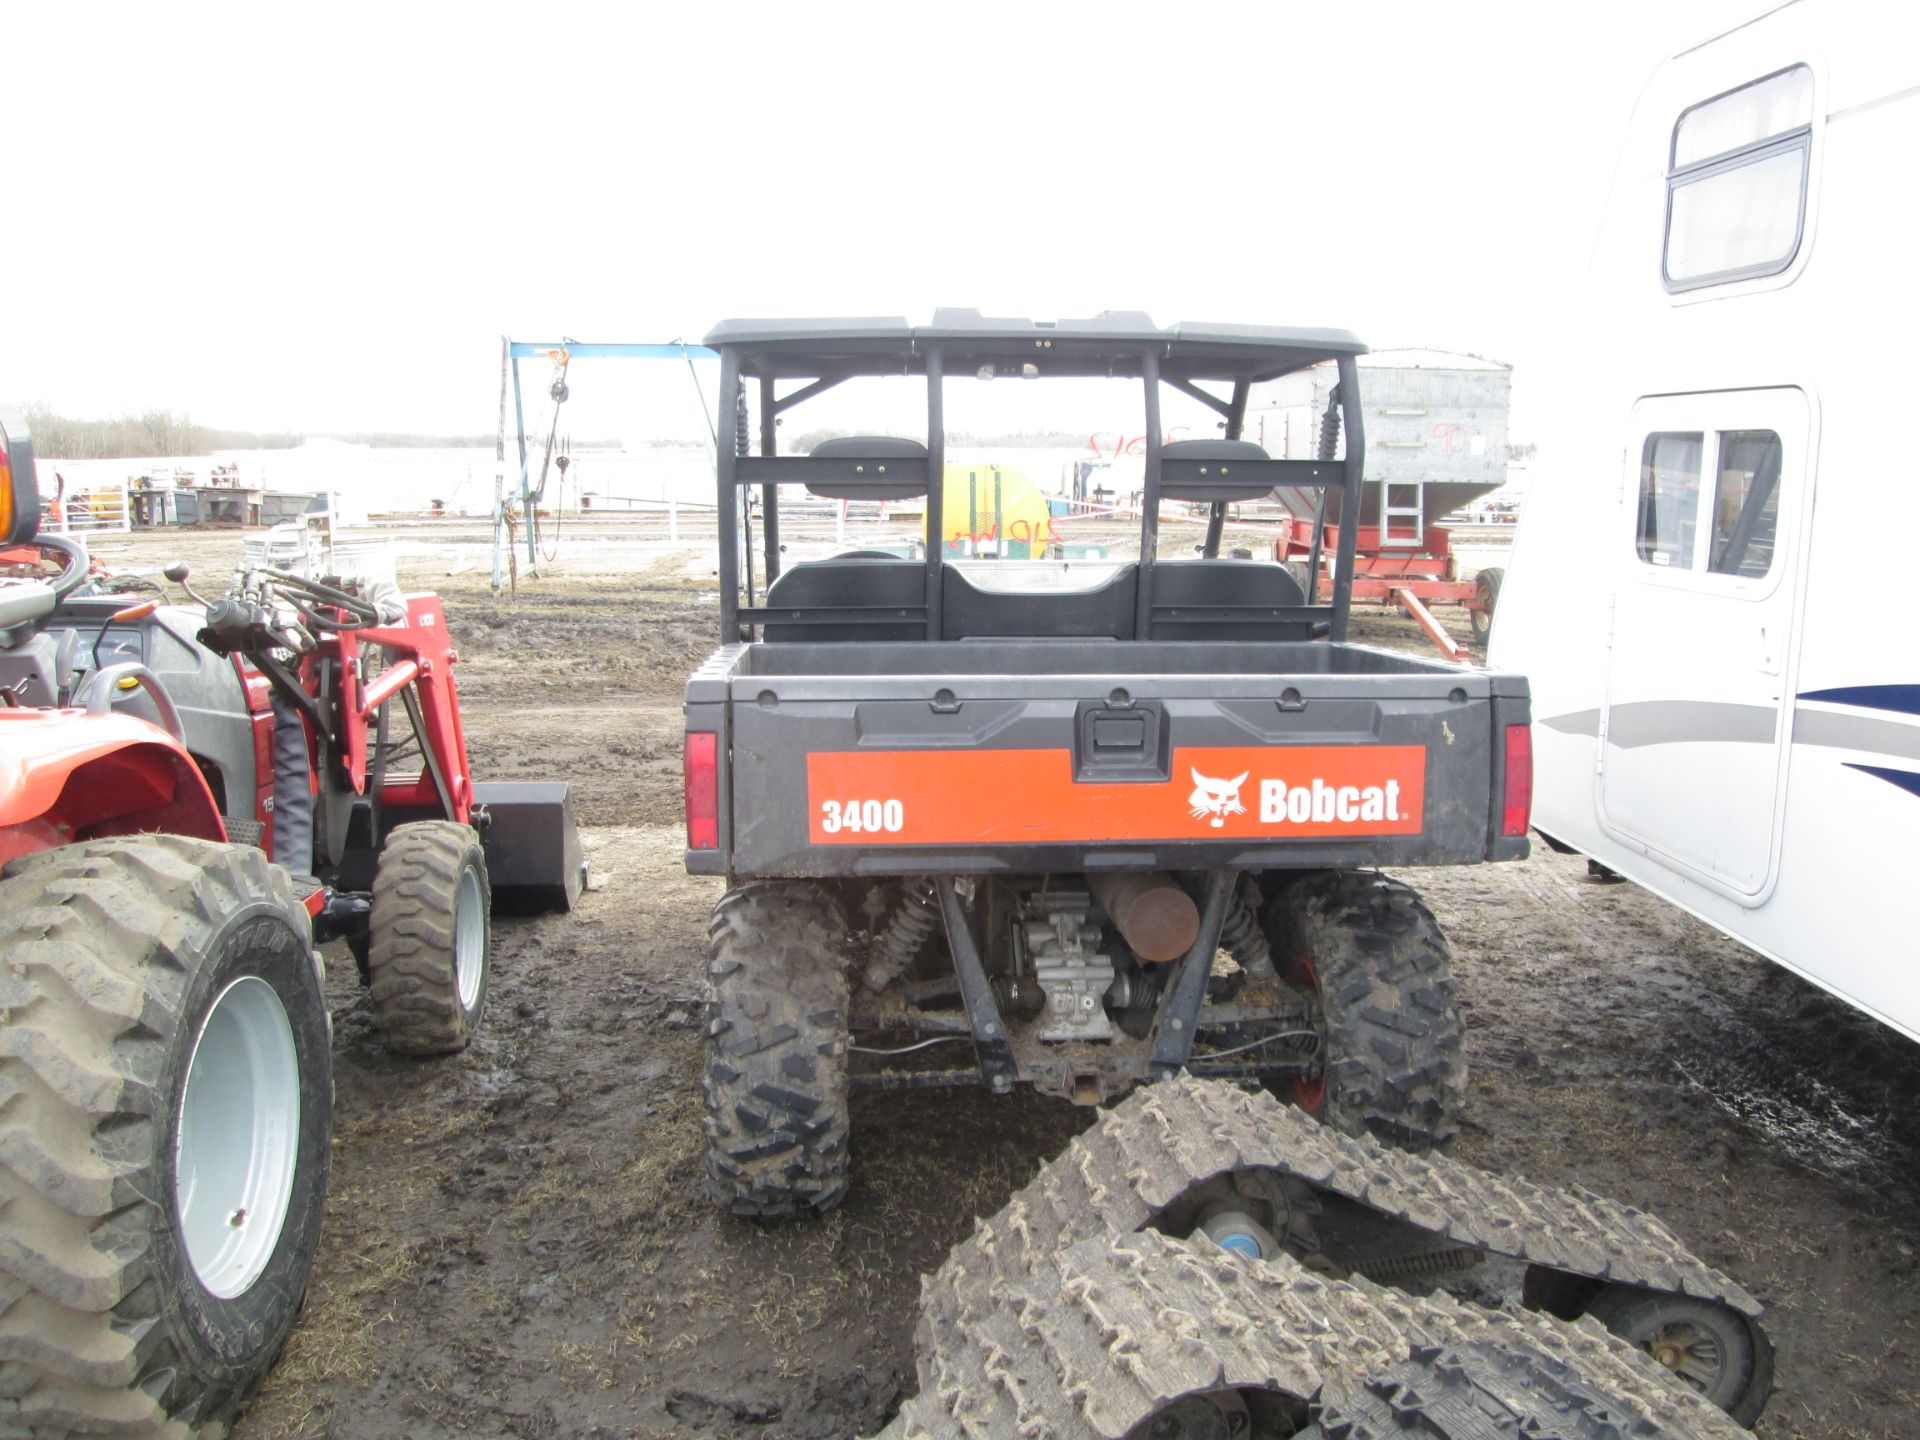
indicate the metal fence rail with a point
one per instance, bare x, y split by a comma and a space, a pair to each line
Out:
98, 507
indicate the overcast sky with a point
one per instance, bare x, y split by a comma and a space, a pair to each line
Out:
324, 217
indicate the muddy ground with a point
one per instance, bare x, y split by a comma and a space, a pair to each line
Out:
519, 1241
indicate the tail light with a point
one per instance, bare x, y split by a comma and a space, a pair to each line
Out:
19, 495
1518, 786
703, 790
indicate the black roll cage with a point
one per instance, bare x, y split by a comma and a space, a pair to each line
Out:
821, 354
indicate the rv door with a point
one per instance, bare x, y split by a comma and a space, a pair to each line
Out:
1697, 728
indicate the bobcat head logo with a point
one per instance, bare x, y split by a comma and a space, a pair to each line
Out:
1214, 800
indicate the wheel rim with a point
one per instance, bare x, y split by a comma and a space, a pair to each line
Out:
469, 938
1690, 1351
1232, 1226
1213, 1415
239, 1137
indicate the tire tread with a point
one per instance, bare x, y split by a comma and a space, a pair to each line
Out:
412, 972
1394, 1064
775, 1084
97, 942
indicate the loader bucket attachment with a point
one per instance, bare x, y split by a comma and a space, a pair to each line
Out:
534, 860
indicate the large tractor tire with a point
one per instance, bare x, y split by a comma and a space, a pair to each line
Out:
166, 1105
776, 1031
431, 935
1373, 956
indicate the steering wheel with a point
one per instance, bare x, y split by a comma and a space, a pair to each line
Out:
73, 574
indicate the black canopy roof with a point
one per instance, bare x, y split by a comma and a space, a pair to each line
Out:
1108, 344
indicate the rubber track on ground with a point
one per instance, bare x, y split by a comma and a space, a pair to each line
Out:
1165, 1138
80, 1024
1095, 1339
1490, 1390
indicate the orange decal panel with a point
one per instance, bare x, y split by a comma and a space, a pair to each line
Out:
1029, 797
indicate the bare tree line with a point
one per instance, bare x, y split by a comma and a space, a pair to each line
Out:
151, 433
163, 434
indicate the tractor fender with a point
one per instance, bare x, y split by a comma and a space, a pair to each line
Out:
66, 775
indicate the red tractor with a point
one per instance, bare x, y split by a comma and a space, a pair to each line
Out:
192, 798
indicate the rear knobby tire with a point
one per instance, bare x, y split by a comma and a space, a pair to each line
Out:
431, 938
1714, 1350
776, 1032
133, 1299
1374, 956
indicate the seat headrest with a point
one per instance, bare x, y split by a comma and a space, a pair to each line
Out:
860, 447
1215, 470
869, 454
1211, 450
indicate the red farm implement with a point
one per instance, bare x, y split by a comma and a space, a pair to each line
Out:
1413, 567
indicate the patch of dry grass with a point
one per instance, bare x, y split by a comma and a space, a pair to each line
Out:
336, 1338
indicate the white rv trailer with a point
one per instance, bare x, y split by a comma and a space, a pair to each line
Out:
1710, 590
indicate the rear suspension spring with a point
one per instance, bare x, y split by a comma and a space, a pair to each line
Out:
901, 939
1242, 937
1424, 1265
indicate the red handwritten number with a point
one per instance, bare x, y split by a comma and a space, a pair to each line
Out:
1112, 447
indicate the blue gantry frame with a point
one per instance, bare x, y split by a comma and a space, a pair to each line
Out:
518, 350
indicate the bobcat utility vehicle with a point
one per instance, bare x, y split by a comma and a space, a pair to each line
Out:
1094, 821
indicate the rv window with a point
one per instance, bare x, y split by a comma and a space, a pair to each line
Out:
1745, 117
1737, 182
1669, 499
1746, 503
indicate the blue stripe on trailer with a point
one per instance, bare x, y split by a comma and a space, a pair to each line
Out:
1903, 698
1905, 779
